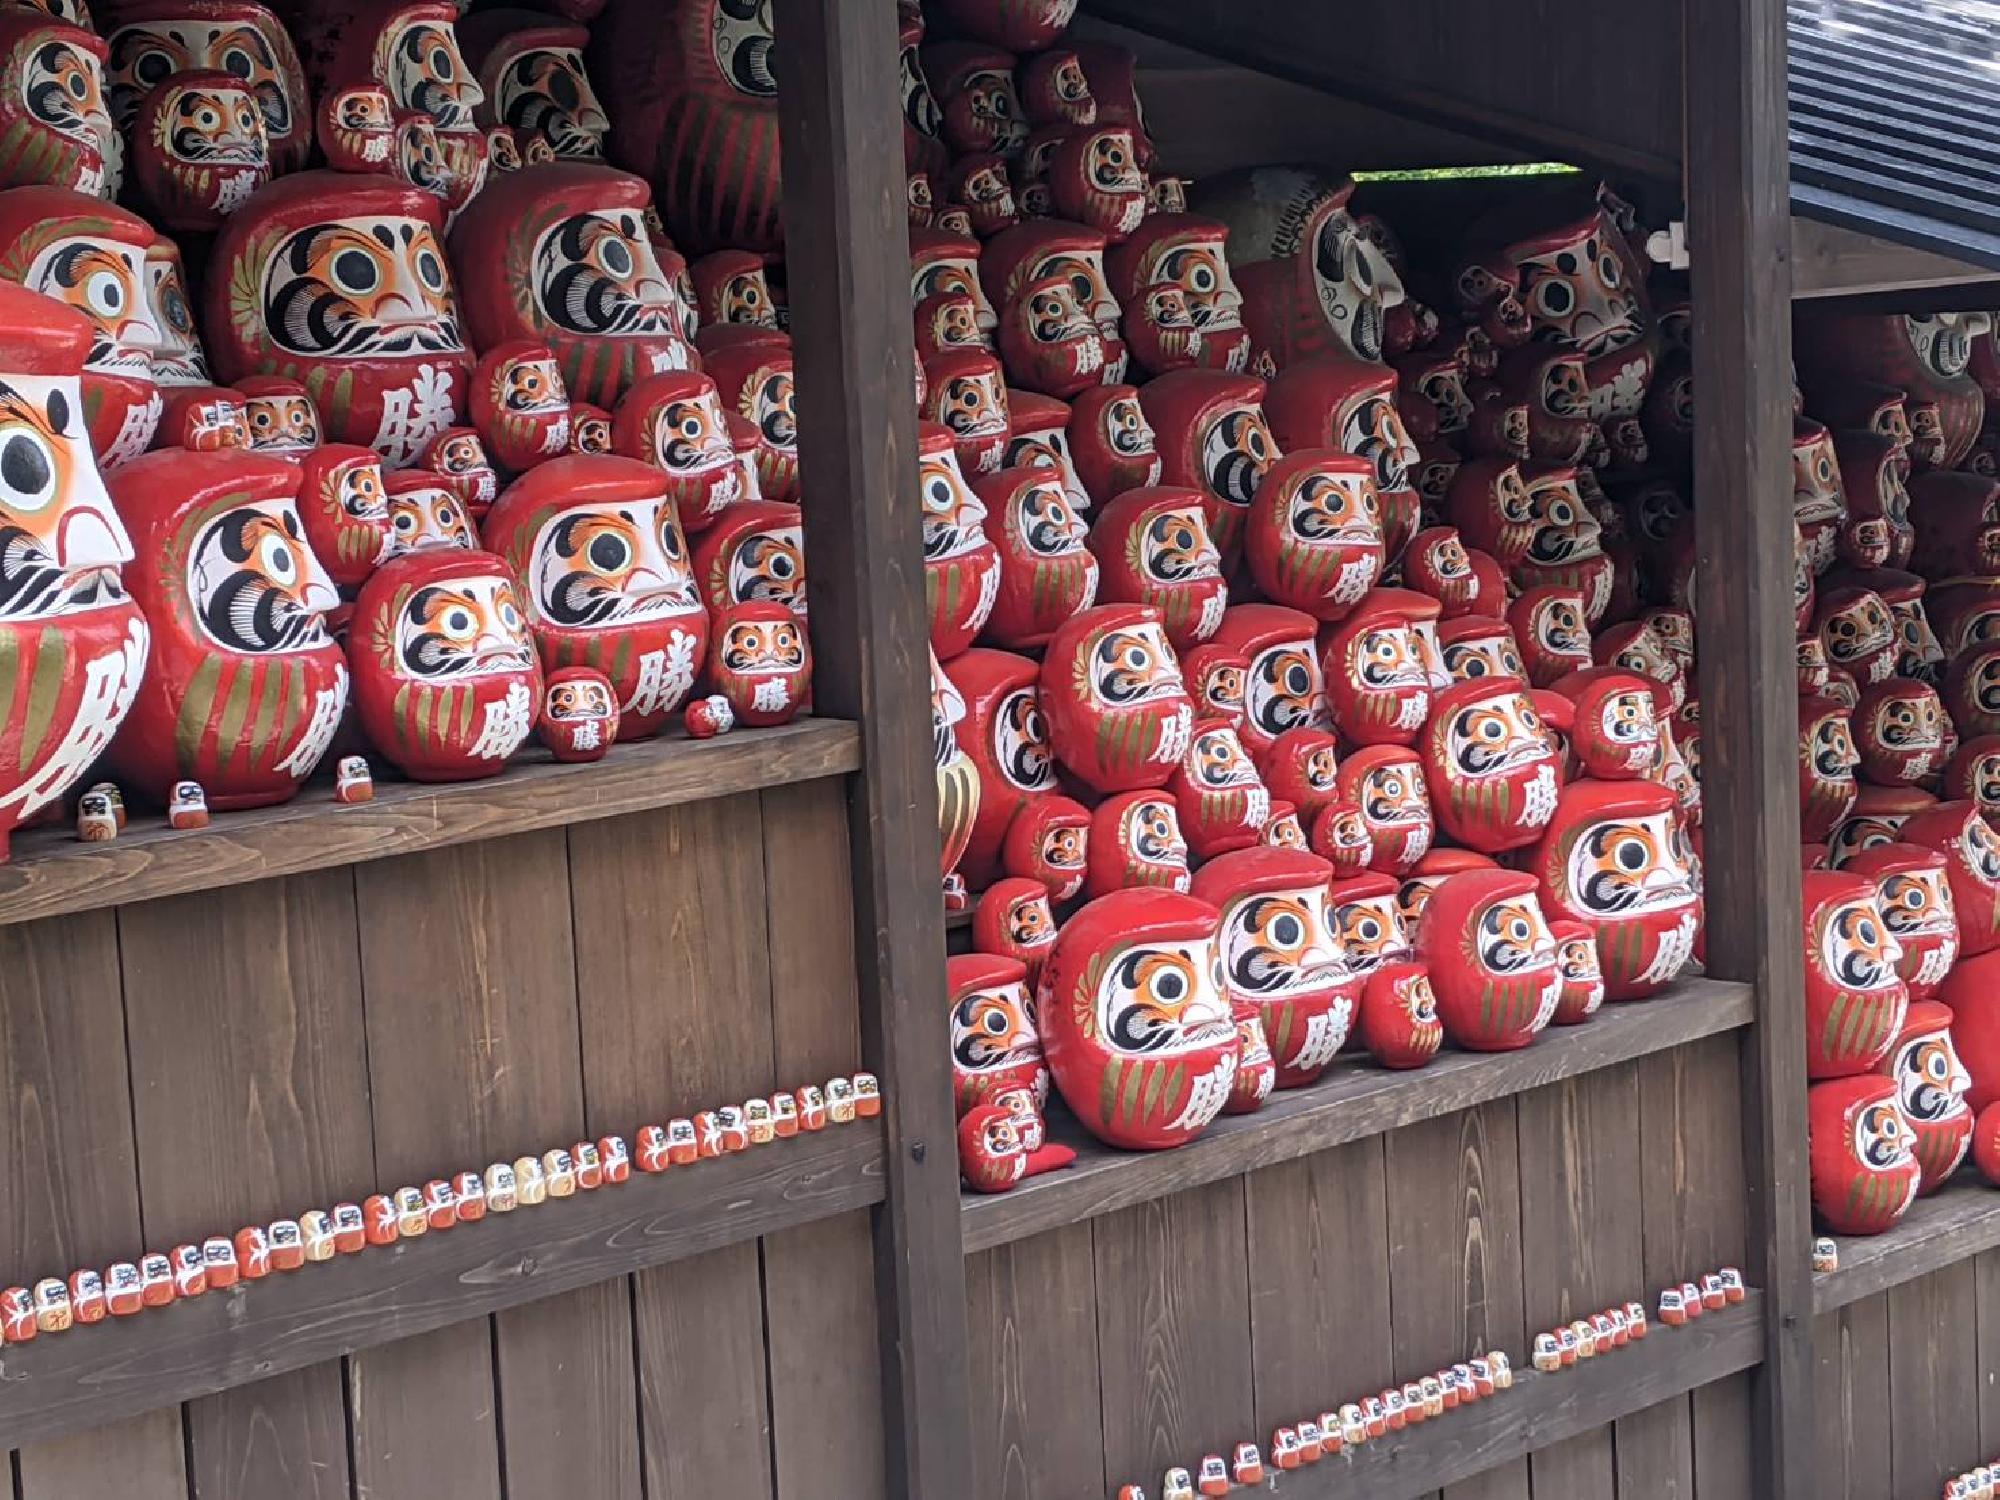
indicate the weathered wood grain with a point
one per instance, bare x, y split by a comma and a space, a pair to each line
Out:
50, 872
1986, 1274
1851, 1405
1958, 1222
1933, 1379
1354, 1100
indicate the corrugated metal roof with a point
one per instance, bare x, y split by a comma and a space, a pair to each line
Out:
1893, 125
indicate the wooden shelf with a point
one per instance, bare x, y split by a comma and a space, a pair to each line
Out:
1953, 1225
1355, 1100
1539, 1411
1831, 261
51, 873
93, 1375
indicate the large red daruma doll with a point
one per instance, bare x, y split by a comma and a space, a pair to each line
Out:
152, 40
1615, 859
245, 685
1864, 1174
53, 124
1492, 959
1854, 999
1119, 715
339, 282
1972, 867
445, 677
1915, 896
1005, 735
72, 643
1281, 952
1134, 1021
1931, 1085
91, 256
559, 253
1493, 766
596, 543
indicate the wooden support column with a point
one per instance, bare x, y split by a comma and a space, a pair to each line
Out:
1738, 195
846, 237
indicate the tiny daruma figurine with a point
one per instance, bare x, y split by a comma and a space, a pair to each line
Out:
445, 676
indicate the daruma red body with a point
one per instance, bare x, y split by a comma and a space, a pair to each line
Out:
1119, 715
1864, 1175
1931, 1085
1854, 999
1133, 1019
1492, 959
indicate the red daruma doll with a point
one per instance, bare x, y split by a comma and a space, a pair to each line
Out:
762, 663
1492, 959
1864, 1174
1931, 1085
445, 676
596, 542
1854, 1001
245, 686
1119, 716
73, 640
1133, 1019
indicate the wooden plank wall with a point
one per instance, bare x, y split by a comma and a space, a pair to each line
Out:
1906, 1393
1104, 1352
180, 1067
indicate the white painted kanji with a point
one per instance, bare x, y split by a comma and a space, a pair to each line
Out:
1545, 1008
414, 414
1325, 1035
1676, 948
1209, 1094
328, 704
1354, 580
110, 682
135, 433
505, 725
1411, 712
233, 190
1540, 804
585, 736
1211, 615
770, 696
664, 676
1175, 733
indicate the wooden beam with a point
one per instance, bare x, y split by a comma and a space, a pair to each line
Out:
1354, 1101
846, 231
1830, 261
1739, 223
97, 1374
50, 872
1959, 1222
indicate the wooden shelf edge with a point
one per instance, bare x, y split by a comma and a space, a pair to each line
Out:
1539, 1411
93, 1375
1354, 1101
52, 874
1835, 260
1958, 1222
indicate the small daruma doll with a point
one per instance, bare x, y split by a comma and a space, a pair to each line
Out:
1972, 867
1119, 716
1283, 689
676, 423
597, 545
238, 605
1153, 547
1854, 998
1492, 764
520, 406
961, 566
1313, 537
152, 40
339, 281
579, 717
1222, 801
445, 677
1865, 1174
1134, 1020
995, 1043
1615, 859
281, 415
74, 641
762, 663
1281, 953
1931, 1085
1827, 761
1046, 572
1492, 959
199, 150
1915, 897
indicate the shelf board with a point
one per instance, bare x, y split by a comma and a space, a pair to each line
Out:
93, 1375
1355, 1100
1539, 1411
52, 873
1952, 1225
1831, 260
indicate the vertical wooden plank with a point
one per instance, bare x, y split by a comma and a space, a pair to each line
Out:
250, 1101
845, 217
1725, 1457
1038, 1430
1933, 1378
1173, 1331
827, 1436
1987, 1279
1456, 1181
70, 1175
1738, 190
1580, 1219
1851, 1358
468, 960
1319, 1283
675, 995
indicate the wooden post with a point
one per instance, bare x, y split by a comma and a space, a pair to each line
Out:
1740, 252
846, 238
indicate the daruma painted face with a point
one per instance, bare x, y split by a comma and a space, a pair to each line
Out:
339, 281
1281, 952
355, 128
1369, 922
1864, 1173
1049, 841
1153, 547
1582, 976
1136, 840
1284, 689
199, 150
1119, 714
597, 545
961, 566
579, 717
1222, 801
1854, 998
761, 661
445, 672
1972, 867
1931, 1085
1493, 763
520, 406
1615, 734
559, 253
533, 77
1616, 859
754, 551
238, 604
153, 40
1046, 573
675, 422
1314, 534
1900, 728
1387, 783
1554, 636
1133, 1019
1492, 959
1827, 762
1014, 919
281, 415
1186, 253
53, 120
994, 1040
1112, 443
77, 642
1006, 735
1213, 437
346, 509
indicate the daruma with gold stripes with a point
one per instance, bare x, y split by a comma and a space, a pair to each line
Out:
245, 685
1854, 999
1864, 1174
